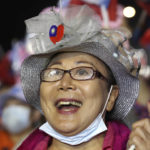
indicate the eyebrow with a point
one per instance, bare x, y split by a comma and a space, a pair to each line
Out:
85, 62
55, 63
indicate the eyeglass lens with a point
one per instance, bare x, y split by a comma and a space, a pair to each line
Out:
80, 73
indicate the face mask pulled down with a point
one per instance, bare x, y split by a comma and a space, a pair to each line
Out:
96, 127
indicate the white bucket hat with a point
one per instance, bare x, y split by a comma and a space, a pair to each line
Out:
81, 33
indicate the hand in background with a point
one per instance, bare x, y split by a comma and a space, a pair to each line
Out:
140, 134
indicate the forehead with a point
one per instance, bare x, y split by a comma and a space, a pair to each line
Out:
78, 58
74, 57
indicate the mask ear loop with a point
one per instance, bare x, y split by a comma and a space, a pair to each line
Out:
107, 100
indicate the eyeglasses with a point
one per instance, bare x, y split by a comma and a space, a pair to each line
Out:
79, 73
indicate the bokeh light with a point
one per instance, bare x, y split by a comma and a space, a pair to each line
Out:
129, 12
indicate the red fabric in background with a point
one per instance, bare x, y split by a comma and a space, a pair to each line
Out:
6, 75
145, 39
93, 6
112, 9
145, 6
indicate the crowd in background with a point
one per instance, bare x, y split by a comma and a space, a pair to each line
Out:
14, 126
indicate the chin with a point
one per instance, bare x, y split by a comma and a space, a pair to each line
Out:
67, 129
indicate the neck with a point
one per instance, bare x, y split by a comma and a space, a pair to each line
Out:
95, 143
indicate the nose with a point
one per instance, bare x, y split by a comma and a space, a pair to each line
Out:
66, 83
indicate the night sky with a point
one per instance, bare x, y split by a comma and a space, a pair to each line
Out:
12, 16
13, 13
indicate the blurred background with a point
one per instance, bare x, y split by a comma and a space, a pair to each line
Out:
13, 13
132, 14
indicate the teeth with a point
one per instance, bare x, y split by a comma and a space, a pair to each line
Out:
68, 103
76, 104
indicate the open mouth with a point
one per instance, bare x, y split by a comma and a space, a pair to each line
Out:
68, 105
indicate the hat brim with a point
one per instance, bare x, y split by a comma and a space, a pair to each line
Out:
128, 84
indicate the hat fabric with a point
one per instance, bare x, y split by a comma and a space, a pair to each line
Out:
128, 84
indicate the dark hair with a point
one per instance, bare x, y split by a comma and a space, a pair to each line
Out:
9, 98
111, 77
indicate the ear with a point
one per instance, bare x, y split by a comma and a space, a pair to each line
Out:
113, 97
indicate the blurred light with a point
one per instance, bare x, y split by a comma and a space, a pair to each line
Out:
129, 12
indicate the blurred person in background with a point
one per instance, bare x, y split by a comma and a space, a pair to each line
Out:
16, 55
141, 40
142, 103
18, 119
10, 64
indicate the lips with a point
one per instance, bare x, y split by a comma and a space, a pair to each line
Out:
68, 106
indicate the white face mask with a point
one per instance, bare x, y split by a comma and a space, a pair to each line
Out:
16, 118
96, 127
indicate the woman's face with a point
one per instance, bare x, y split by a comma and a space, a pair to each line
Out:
87, 97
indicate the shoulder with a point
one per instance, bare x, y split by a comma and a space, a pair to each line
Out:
120, 134
33, 140
119, 130
119, 127
5, 140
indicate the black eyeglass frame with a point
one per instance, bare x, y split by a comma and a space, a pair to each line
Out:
95, 74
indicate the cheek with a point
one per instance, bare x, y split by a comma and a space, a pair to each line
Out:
47, 91
95, 95
47, 95
94, 89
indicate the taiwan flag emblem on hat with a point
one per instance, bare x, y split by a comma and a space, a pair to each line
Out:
56, 33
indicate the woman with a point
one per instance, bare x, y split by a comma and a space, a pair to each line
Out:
79, 79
